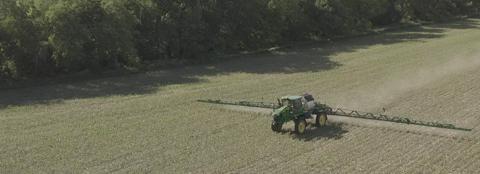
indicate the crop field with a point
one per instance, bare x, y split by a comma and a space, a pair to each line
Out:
151, 123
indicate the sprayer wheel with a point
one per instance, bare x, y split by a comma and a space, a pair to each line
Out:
277, 127
300, 126
321, 119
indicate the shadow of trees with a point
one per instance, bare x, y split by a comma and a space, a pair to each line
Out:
306, 58
122, 85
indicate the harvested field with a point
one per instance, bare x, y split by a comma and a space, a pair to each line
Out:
150, 122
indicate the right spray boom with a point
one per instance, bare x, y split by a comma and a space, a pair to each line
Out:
381, 117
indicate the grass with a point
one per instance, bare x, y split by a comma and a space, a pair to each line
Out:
150, 122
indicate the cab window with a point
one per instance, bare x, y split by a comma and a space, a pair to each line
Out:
297, 104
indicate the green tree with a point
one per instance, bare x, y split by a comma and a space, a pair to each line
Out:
86, 35
41, 37
20, 40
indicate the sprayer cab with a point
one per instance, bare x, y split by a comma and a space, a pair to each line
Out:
291, 101
305, 102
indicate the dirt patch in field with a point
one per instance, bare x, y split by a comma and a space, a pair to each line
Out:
247, 109
384, 94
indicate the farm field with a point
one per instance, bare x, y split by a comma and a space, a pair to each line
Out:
150, 122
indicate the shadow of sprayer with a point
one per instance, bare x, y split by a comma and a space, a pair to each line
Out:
331, 131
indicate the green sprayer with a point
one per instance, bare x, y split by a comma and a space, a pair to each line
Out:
302, 107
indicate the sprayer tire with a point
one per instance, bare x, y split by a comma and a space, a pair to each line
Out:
321, 119
277, 127
300, 126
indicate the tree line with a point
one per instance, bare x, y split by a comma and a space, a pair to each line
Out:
49, 37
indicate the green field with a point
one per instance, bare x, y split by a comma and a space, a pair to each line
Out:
150, 122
